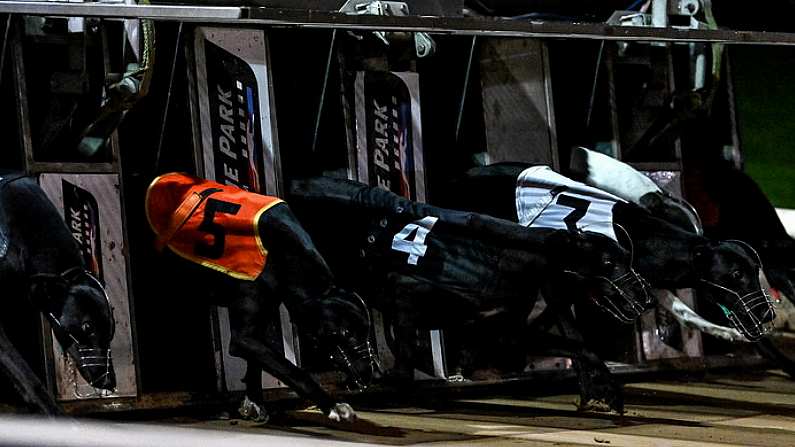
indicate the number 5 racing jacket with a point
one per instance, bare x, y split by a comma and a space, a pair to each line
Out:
211, 224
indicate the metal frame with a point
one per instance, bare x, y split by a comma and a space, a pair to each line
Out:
262, 17
358, 164
31, 166
21, 95
52, 365
519, 84
648, 347
550, 109
494, 27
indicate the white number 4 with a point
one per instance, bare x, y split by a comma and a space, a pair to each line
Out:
415, 247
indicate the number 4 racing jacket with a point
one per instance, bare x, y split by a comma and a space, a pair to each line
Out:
208, 223
372, 238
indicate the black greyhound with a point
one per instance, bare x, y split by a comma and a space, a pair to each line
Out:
733, 206
40, 257
428, 267
726, 272
295, 274
739, 209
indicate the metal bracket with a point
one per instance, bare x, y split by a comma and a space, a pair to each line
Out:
665, 14
424, 45
677, 14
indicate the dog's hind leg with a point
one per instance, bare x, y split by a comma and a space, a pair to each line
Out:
402, 312
404, 348
24, 380
597, 385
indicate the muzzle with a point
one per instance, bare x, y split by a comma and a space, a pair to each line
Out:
630, 299
363, 352
84, 356
742, 313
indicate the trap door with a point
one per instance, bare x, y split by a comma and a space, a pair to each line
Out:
236, 144
88, 195
385, 150
519, 118
653, 73
661, 336
92, 208
518, 111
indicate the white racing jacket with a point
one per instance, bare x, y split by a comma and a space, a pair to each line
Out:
546, 199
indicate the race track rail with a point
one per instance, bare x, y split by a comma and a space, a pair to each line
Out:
30, 431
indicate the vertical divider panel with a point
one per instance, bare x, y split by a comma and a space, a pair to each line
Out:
91, 207
389, 154
238, 143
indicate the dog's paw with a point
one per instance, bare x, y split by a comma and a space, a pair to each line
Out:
457, 378
599, 406
599, 391
252, 411
342, 412
603, 399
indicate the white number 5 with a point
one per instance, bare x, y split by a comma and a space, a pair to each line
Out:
415, 247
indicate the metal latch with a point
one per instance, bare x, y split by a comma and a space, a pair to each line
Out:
665, 13
424, 45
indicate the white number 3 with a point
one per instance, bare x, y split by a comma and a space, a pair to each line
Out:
415, 247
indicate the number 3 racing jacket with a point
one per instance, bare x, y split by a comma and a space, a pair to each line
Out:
208, 223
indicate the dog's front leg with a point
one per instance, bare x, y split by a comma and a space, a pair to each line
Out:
299, 380
253, 406
401, 335
768, 349
598, 387
24, 380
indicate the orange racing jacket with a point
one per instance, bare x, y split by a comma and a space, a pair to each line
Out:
209, 223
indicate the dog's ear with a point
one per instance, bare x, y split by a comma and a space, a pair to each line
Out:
702, 255
651, 201
48, 295
564, 243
